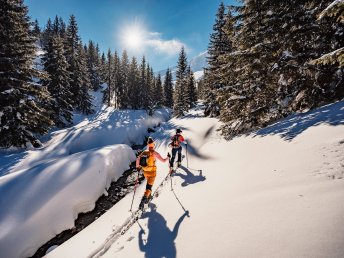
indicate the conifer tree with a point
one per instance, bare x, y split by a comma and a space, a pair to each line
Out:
81, 83
181, 85
134, 82
117, 87
93, 66
36, 31
219, 45
124, 73
56, 66
191, 95
102, 68
47, 33
23, 111
168, 89
109, 80
158, 96
143, 94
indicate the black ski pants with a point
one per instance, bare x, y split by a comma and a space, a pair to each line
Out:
174, 152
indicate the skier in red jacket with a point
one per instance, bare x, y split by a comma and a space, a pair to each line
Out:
176, 146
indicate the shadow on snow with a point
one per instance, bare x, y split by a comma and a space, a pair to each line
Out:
189, 178
295, 124
160, 241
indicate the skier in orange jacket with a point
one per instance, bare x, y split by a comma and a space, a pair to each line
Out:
149, 170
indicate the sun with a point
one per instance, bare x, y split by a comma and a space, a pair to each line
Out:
133, 37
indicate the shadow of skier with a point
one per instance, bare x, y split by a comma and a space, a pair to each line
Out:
189, 178
160, 241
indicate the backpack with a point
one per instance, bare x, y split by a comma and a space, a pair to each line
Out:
147, 160
175, 143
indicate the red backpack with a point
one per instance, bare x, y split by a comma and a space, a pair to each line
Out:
175, 143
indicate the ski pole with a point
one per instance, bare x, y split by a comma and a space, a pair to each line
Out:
187, 160
136, 183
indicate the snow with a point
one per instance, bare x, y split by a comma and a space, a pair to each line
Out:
198, 75
45, 199
42, 191
275, 193
334, 4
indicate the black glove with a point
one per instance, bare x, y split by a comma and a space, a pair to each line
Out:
168, 155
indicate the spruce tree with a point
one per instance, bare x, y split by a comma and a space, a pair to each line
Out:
168, 89
134, 82
47, 33
56, 66
109, 80
102, 68
124, 73
36, 31
93, 66
23, 113
181, 85
158, 91
191, 95
81, 83
219, 45
143, 93
117, 87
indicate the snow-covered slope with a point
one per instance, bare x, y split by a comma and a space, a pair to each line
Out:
275, 193
42, 191
197, 64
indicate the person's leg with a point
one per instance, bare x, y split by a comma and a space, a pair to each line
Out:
179, 154
174, 151
149, 185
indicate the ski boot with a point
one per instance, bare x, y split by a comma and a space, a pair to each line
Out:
178, 164
144, 201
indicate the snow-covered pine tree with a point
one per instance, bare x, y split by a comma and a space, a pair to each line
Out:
168, 89
134, 83
219, 44
124, 72
143, 92
102, 68
180, 104
158, 91
56, 25
151, 94
36, 31
191, 95
335, 11
307, 39
80, 78
93, 65
47, 33
62, 28
116, 80
23, 113
56, 66
107, 97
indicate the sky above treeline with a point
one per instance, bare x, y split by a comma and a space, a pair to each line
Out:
153, 28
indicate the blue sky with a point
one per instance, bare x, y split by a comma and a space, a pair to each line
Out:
154, 28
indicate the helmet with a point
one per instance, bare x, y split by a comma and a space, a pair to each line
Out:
178, 130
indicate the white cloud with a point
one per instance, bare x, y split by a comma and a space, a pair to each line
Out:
169, 47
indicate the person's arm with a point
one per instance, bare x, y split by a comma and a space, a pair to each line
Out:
138, 161
158, 156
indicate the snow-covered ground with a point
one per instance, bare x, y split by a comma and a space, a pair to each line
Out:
42, 191
278, 192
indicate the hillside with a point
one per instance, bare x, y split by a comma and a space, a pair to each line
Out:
274, 193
